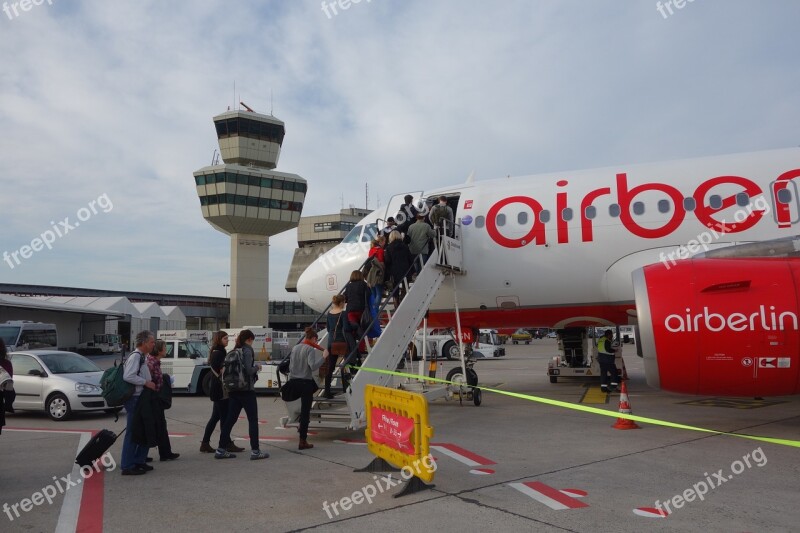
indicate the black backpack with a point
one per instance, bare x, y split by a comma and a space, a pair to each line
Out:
234, 376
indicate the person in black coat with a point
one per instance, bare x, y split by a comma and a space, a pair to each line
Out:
356, 297
398, 263
220, 410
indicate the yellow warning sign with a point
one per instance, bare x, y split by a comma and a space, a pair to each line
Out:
398, 429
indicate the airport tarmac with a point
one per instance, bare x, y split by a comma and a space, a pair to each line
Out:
508, 465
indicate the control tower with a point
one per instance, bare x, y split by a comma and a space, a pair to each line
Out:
250, 201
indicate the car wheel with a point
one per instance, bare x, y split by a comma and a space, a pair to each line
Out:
450, 350
58, 407
205, 384
553, 379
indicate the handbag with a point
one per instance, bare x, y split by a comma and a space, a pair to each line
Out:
338, 347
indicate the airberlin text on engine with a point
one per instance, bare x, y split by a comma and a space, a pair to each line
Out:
704, 213
761, 320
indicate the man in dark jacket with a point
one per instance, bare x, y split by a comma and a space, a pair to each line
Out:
407, 215
605, 357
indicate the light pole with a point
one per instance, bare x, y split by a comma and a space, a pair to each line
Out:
226, 285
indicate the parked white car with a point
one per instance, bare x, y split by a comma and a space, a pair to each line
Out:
56, 382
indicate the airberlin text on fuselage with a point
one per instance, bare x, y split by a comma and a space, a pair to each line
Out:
716, 322
625, 198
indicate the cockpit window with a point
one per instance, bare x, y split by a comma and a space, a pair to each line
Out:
354, 234
370, 232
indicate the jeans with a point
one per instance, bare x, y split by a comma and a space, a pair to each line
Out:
132, 454
236, 402
219, 413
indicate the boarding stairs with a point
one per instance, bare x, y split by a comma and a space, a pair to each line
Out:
348, 411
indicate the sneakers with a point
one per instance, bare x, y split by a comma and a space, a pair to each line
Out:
143, 467
234, 448
604, 389
223, 454
132, 472
258, 454
170, 457
206, 448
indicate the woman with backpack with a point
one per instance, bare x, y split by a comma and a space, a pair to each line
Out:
240, 367
219, 411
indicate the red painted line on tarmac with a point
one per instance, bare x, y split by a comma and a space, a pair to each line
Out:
575, 493
553, 498
90, 516
650, 512
460, 454
45, 430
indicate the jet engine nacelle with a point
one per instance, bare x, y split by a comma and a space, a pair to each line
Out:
724, 327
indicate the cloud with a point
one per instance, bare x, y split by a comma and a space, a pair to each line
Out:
117, 98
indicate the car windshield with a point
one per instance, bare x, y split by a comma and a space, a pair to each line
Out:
67, 363
9, 334
198, 349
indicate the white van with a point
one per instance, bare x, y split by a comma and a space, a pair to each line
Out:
26, 335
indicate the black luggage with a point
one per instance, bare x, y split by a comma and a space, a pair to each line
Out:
96, 447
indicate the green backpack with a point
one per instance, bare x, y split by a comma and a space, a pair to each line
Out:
116, 391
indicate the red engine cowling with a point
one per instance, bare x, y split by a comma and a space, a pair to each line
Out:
720, 326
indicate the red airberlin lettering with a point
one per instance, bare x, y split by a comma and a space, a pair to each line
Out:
626, 197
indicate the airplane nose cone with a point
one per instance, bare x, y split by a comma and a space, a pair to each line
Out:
306, 286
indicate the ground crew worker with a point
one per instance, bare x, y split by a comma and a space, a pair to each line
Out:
605, 356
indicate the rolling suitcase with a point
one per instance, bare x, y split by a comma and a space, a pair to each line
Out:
96, 447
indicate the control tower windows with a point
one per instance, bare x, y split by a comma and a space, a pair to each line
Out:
252, 129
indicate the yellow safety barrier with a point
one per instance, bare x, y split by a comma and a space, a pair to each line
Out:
398, 430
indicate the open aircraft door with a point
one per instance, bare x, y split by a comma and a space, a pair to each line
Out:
395, 202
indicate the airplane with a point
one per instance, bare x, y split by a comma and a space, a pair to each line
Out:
700, 254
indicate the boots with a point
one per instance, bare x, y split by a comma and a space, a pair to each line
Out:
233, 448
206, 448
304, 445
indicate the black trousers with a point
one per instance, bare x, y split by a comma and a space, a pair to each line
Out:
307, 388
236, 402
219, 413
608, 370
164, 446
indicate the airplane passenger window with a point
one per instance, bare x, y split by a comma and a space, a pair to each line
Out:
566, 214
742, 199
715, 201
784, 196
613, 210
479, 221
689, 203
663, 206
590, 212
501, 219
354, 234
638, 208
544, 216
522, 218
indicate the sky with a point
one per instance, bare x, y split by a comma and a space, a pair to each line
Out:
105, 109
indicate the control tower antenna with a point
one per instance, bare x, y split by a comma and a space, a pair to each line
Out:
270, 102
366, 196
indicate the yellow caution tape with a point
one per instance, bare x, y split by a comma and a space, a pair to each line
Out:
587, 409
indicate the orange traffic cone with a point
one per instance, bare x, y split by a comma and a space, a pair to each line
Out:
625, 408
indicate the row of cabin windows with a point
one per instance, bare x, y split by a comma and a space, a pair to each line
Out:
638, 208
254, 181
250, 201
